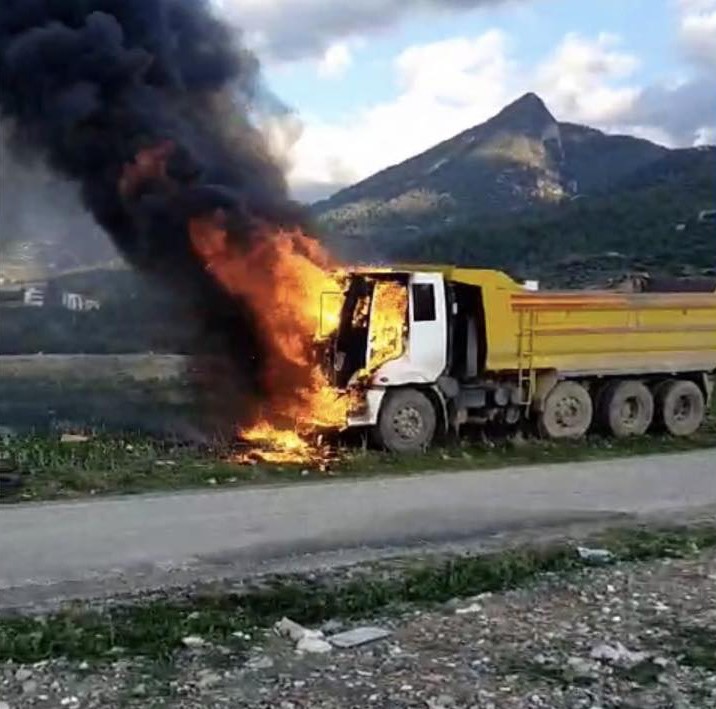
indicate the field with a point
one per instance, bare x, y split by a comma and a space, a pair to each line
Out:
45, 393
145, 434
92, 368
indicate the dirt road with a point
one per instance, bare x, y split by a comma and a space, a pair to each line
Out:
87, 548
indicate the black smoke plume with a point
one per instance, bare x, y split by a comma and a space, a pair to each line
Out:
88, 84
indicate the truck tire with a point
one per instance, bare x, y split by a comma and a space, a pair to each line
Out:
680, 408
567, 413
626, 409
407, 422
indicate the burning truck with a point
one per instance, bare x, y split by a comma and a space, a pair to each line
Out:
423, 350
154, 110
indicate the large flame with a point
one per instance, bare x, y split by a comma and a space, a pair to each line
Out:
388, 323
290, 285
296, 295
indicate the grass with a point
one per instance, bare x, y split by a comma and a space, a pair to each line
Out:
108, 464
696, 646
154, 630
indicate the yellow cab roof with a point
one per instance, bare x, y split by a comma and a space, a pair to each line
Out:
468, 276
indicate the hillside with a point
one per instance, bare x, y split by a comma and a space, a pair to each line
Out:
521, 159
528, 194
650, 224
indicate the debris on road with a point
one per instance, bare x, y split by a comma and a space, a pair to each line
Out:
359, 637
618, 655
287, 628
313, 644
74, 438
307, 641
596, 557
193, 642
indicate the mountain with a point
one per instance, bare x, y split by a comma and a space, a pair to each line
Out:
521, 160
661, 220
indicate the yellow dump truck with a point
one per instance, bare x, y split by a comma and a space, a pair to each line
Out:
468, 346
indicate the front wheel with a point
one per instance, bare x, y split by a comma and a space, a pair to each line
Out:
407, 422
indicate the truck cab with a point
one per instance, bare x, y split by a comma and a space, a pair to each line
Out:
393, 337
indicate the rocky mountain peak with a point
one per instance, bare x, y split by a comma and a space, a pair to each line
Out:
527, 115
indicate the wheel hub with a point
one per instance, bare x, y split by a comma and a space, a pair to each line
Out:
568, 412
682, 409
629, 411
408, 423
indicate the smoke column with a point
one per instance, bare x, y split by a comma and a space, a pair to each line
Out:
147, 105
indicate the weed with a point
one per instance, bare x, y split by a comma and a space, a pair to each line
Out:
155, 629
134, 464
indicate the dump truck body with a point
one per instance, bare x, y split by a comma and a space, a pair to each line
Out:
595, 332
483, 348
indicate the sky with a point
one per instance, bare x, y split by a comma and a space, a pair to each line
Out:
369, 83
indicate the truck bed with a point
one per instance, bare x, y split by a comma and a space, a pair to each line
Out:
605, 333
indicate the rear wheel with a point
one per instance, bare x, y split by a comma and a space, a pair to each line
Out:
407, 422
568, 412
681, 408
627, 409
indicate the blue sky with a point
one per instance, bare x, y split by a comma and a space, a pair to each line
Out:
374, 82
536, 28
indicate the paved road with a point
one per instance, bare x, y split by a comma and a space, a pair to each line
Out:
60, 550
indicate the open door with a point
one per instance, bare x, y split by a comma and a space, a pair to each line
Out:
428, 329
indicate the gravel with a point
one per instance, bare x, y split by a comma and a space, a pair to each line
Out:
627, 637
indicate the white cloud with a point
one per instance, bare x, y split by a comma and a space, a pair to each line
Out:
681, 113
445, 87
706, 136
449, 86
697, 30
581, 80
336, 60
685, 112
299, 29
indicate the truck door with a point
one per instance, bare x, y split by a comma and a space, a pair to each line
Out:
428, 331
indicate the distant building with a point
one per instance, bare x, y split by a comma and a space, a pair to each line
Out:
79, 304
35, 296
42, 295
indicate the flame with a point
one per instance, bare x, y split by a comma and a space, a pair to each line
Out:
276, 446
283, 276
388, 324
296, 294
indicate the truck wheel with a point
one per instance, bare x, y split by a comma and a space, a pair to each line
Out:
567, 413
627, 409
681, 408
407, 422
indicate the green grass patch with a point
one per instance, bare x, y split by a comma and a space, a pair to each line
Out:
155, 629
108, 464
696, 647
